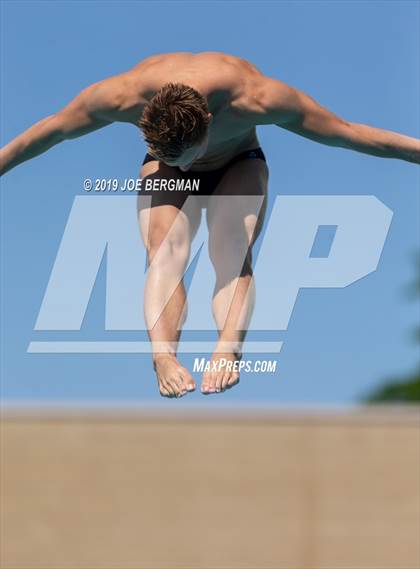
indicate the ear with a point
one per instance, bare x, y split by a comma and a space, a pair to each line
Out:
210, 117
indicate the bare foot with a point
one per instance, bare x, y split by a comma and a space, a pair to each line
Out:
223, 373
173, 379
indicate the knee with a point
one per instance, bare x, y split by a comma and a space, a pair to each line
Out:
231, 258
171, 251
228, 248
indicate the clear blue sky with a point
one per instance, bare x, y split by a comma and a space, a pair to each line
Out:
360, 59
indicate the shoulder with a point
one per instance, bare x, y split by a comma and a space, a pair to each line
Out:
252, 90
266, 100
109, 93
115, 98
234, 75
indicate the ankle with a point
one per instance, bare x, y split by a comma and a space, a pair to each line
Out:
161, 356
229, 347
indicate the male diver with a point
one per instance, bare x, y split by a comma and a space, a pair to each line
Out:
198, 114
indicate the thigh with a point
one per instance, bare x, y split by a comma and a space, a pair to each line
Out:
237, 207
164, 212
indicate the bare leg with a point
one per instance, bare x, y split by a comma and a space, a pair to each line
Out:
234, 225
167, 232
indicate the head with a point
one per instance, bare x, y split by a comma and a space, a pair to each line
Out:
175, 125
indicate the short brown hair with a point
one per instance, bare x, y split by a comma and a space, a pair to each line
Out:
174, 119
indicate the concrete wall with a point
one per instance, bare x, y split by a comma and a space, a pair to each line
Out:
232, 490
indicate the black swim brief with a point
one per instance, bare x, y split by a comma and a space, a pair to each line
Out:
209, 179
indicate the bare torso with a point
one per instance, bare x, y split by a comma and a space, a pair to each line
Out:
227, 82
239, 97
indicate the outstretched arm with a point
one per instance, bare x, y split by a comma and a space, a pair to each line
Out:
291, 109
94, 108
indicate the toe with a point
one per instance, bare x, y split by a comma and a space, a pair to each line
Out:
177, 385
219, 382
208, 385
233, 380
225, 380
205, 383
212, 383
165, 392
187, 380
